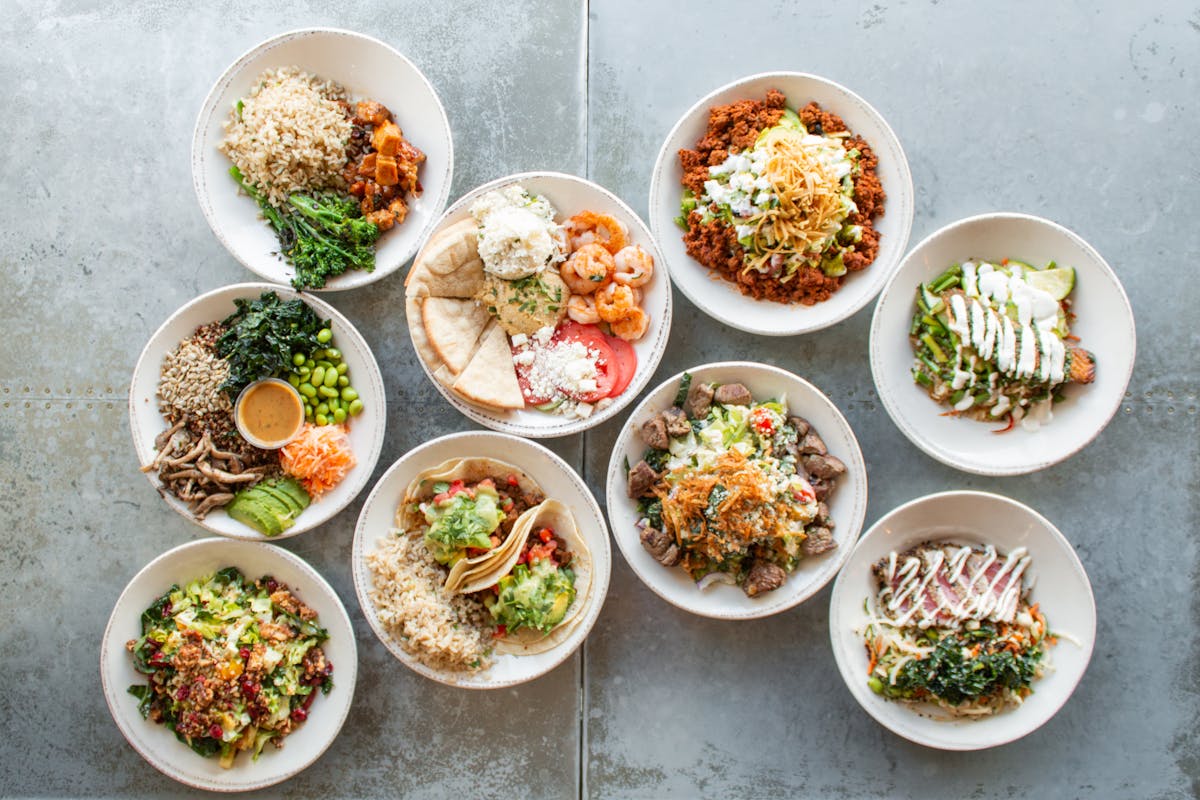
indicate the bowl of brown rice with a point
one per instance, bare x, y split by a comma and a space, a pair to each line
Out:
297, 115
448, 637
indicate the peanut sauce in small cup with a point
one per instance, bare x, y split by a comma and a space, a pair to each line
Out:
269, 413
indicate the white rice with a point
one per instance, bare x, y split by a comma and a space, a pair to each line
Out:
442, 631
291, 134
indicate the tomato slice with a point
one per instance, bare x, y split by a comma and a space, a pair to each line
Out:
626, 359
594, 339
531, 398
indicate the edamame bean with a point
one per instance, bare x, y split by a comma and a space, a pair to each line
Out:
308, 413
323, 408
294, 380
318, 376
307, 389
325, 364
356, 408
333, 354
875, 684
298, 358
342, 368
305, 369
326, 391
321, 419
334, 403
339, 416
324, 335
331, 377
343, 381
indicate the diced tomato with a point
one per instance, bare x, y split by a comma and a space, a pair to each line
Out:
456, 487
571, 331
626, 360
541, 551
511, 480
501, 630
545, 534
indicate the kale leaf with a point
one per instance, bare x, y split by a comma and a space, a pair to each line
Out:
947, 674
263, 334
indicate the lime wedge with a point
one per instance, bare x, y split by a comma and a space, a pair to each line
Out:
1057, 282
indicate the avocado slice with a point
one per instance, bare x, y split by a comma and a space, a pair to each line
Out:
292, 487
292, 507
247, 510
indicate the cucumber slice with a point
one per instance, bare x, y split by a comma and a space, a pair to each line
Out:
1057, 282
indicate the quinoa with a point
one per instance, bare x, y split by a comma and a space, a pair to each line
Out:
442, 631
290, 134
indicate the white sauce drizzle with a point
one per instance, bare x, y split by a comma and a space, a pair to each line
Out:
950, 585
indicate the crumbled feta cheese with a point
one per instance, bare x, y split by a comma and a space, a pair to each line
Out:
583, 410
519, 340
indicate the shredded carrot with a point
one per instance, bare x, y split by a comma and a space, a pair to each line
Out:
320, 457
873, 648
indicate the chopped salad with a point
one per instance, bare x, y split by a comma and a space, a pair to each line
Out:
732, 489
231, 664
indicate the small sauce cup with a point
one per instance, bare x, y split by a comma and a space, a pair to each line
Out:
269, 413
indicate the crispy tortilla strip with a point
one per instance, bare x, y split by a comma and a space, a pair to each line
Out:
490, 378
453, 327
448, 265
416, 329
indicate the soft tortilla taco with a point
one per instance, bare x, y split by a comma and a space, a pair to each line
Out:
541, 601
464, 507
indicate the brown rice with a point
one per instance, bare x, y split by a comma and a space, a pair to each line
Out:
442, 631
290, 135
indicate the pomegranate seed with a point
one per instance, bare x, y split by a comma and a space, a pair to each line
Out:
299, 714
272, 585
215, 731
244, 653
183, 693
249, 688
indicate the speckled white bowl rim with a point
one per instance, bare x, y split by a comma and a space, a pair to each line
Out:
556, 424
846, 530
520, 453
346, 674
368, 382
355, 278
687, 275
979, 467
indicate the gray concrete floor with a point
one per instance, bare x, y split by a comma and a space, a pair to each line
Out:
1078, 112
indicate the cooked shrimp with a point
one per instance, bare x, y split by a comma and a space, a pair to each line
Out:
633, 326
634, 266
615, 302
582, 309
589, 268
590, 227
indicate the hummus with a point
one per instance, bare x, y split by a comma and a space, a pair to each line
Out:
526, 304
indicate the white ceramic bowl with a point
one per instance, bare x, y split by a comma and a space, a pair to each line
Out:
368, 69
1104, 325
719, 298
1059, 584
570, 195
155, 742
847, 503
366, 430
557, 481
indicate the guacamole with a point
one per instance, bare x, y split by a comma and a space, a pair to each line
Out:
534, 597
460, 518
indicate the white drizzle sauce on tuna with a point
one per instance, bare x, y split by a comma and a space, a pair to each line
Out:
947, 585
